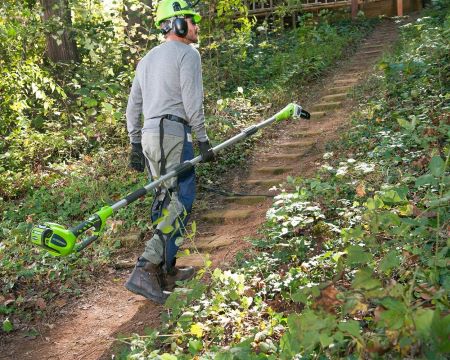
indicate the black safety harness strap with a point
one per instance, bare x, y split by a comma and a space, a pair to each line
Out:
181, 168
162, 164
161, 138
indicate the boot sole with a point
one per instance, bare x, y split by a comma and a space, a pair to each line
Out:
136, 290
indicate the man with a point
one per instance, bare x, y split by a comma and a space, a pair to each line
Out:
168, 91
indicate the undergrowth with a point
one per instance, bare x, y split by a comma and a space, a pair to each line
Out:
354, 262
67, 157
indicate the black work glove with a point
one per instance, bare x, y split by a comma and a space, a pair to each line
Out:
206, 151
137, 159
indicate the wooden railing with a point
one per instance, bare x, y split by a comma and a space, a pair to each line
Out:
266, 7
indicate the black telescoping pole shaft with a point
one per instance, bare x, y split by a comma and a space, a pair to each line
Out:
292, 110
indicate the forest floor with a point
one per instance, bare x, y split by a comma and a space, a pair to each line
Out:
88, 328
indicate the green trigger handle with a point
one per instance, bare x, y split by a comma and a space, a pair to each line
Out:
96, 222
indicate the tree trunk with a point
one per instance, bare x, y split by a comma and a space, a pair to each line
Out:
354, 9
61, 46
138, 23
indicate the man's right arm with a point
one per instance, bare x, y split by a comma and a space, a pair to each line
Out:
192, 92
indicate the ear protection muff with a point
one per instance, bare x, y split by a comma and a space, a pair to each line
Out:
180, 26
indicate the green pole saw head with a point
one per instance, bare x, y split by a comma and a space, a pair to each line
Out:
54, 238
60, 241
292, 111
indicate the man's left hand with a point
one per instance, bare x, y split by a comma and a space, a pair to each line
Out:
137, 159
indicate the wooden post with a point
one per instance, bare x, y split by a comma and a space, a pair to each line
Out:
355, 8
399, 7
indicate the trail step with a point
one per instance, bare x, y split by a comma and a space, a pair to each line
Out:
366, 59
306, 134
346, 81
265, 182
274, 170
354, 74
298, 144
289, 156
222, 216
327, 106
357, 69
371, 52
196, 260
212, 242
246, 200
370, 47
317, 114
367, 47
340, 96
376, 53
340, 89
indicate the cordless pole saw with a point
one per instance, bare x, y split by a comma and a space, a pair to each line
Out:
60, 241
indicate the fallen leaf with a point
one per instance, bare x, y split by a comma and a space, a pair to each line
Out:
421, 163
410, 259
426, 292
328, 299
60, 302
41, 304
361, 190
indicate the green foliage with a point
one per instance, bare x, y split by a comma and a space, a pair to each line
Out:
56, 112
354, 263
27, 274
7, 326
62, 125
53, 113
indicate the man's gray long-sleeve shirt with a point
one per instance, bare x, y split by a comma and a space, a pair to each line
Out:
168, 80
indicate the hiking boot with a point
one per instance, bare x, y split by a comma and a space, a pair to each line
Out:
177, 274
146, 280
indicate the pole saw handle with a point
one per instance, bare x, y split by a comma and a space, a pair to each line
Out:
96, 222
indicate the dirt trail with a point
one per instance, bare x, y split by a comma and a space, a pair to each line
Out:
89, 328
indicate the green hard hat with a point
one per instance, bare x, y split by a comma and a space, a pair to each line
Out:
170, 8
